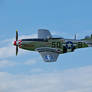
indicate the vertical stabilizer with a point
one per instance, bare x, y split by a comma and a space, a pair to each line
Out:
44, 34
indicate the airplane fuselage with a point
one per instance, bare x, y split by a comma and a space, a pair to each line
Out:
62, 45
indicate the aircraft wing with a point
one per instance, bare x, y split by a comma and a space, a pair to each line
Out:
48, 54
44, 34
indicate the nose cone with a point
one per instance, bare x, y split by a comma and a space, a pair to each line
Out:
14, 43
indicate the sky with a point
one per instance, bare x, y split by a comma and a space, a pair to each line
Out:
28, 72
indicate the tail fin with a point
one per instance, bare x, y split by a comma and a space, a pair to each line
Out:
88, 40
88, 37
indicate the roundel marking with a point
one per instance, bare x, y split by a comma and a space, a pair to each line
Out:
69, 45
48, 57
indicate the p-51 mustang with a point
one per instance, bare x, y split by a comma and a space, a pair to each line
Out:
50, 47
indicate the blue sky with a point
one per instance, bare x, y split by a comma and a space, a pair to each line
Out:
61, 17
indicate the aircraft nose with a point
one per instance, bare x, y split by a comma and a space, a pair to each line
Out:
14, 43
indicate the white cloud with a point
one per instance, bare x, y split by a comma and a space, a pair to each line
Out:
7, 51
37, 70
73, 80
6, 63
31, 61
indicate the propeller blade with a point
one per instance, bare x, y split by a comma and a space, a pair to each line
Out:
16, 35
16, 50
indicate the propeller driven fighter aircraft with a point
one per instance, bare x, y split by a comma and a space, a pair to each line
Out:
50, 47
